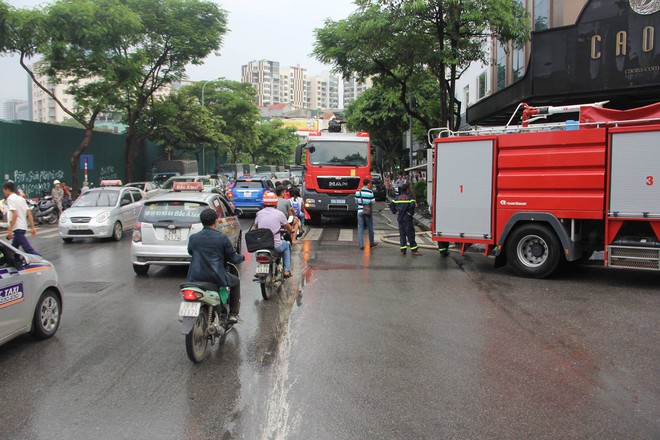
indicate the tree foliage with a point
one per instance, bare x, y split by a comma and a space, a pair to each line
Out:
400, 41
179, 122
115, 54
276, 144
379, 112
234, 103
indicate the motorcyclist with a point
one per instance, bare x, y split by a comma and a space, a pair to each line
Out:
272, 218
210, 249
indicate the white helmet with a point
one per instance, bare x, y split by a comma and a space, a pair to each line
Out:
56, 182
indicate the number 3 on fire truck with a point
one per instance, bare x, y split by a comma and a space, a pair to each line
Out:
649, 180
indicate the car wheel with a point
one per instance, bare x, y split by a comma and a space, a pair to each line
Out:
117, 232
140, 269
46, 319
68, 240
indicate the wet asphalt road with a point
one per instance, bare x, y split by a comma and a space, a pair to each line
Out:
360, 345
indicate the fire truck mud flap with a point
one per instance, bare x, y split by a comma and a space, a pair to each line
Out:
571, 252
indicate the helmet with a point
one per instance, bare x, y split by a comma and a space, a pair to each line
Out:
56, 182
270, 199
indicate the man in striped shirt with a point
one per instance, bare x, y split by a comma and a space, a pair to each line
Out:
365, 197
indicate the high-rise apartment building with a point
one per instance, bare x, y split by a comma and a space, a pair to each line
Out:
16, 109
295, 87
265, 76
353, 89
44, 108
324, 91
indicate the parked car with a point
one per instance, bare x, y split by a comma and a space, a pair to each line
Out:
247, 194
378, 187
102, 213
30, 295
166, 221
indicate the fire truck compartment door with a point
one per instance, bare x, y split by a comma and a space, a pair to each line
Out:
635, 175
464, 189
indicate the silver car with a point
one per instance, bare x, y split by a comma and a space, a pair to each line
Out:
102, 212
166, 221
30, 295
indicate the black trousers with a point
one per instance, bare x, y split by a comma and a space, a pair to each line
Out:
234, 294
407, 234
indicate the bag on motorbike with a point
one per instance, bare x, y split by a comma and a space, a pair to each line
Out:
261, 238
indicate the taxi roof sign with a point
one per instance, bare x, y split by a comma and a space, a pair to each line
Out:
110, 183
188, 186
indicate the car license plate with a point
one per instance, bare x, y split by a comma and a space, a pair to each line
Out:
339, 201
190, 308
173, 234
78, 227
263, 268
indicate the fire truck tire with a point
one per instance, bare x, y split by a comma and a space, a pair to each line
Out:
533, 251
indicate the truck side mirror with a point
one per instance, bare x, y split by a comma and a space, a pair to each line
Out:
299, 151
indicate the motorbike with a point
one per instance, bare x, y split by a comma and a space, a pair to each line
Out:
269, 272
46, 210
204, 314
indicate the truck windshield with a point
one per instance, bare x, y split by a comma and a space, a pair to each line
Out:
336, 153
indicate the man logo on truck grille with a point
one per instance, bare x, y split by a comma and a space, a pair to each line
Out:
645, 7
338, 184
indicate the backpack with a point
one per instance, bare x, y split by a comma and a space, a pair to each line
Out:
296, 206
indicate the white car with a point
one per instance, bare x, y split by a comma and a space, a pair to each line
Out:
30, 295
166, 222
102, 212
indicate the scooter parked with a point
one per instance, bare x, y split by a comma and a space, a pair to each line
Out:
46, 210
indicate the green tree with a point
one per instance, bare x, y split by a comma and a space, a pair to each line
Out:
179, 122
276, 144
4, 14
75, 52
172, 34
234, 103
401, 40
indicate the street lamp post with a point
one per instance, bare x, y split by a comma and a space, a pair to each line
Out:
203, 147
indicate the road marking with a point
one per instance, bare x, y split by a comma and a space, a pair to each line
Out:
48, 234
314, 234
346, 235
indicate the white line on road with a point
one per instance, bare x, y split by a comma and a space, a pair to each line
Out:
346, 235
314, 234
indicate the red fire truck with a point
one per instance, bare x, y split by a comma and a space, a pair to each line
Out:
335, 165
538, 195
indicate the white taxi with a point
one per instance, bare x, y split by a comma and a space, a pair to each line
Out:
167, 220
30, 295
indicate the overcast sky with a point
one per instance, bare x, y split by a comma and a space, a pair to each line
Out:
278, 30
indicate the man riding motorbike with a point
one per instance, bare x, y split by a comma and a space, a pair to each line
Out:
210, 249
272, 218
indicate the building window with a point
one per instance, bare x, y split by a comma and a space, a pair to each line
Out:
500, 80
466, 96
541, 14
481, 86
518, 61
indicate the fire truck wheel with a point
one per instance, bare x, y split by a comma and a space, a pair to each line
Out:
533, 251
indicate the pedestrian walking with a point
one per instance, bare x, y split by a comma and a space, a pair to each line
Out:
365, 209
404, 208
19, 217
